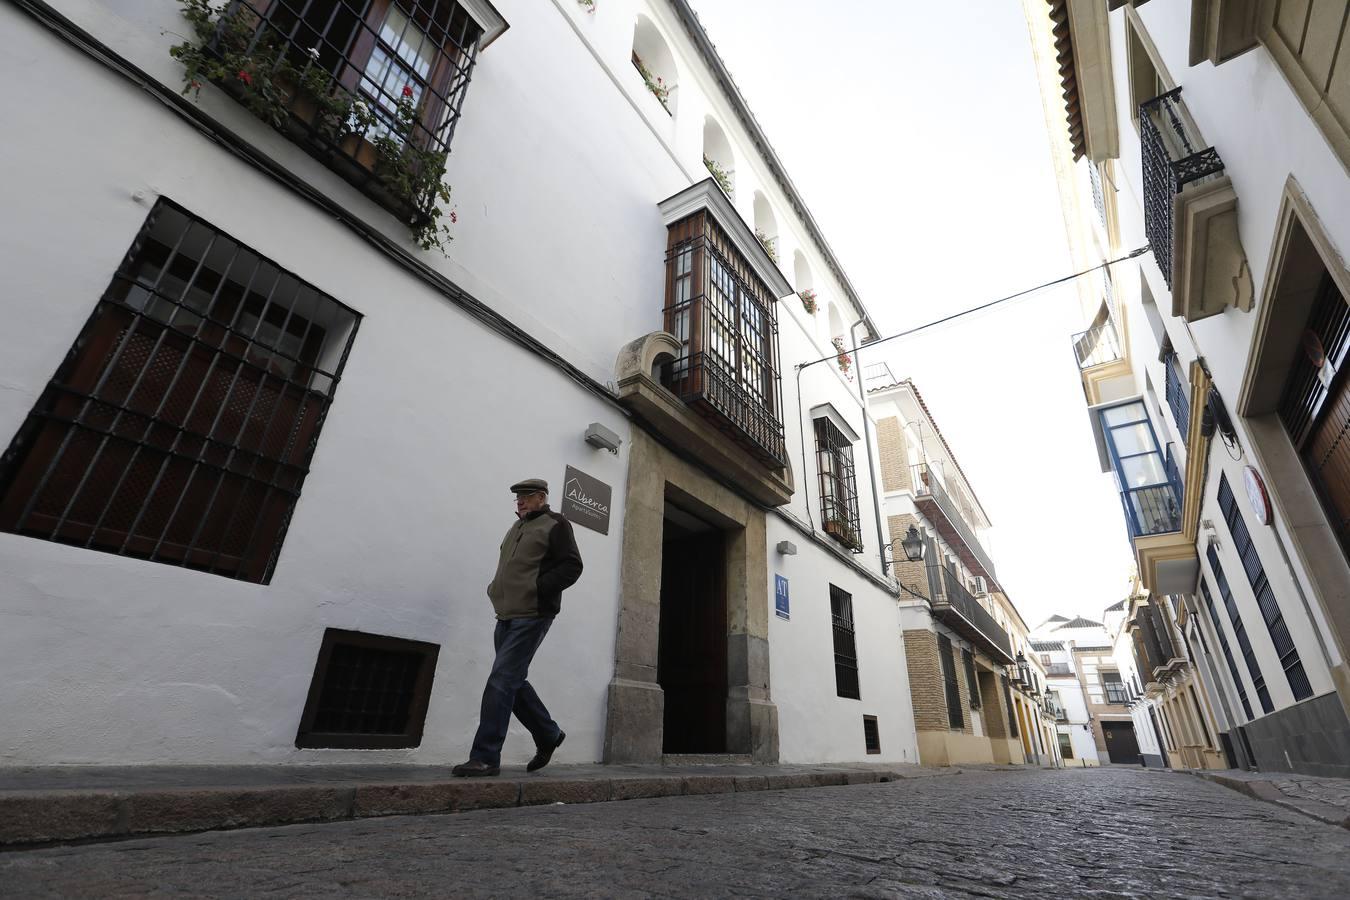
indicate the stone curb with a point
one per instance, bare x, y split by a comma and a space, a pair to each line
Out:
1267, 792
50, 817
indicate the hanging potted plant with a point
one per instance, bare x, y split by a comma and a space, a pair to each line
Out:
769, 244
842, 359
719, 175
808, 300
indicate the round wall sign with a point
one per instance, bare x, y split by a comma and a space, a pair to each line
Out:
1256, 494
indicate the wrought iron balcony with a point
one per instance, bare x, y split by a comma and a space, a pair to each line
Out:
1058, 670
939, 508
1173, 159
1097, 346
955, 606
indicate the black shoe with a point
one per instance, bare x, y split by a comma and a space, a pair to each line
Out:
543, 754
474, 769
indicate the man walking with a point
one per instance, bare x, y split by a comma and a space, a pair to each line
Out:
538, 561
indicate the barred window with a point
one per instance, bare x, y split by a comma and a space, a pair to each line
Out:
1240, 631
838, 486
369, 84
972, 684
845, 647
1265, 594
724, 317
955, 716
368, 692
181, 424
1008, 702
1115, 688
871, 734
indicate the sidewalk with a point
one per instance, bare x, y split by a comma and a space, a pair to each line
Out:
73, 803
1324, 799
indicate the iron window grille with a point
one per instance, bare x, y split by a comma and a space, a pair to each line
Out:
373, 88
972, 685
1008, 702
1171, 162
1098, 199
1115, 688
871, 734
181, 425
1304, 393
845, 645
1097, 345
1240, 632
838, 486
955, 716
726, 321
1266, 601
1178, 394
368, 692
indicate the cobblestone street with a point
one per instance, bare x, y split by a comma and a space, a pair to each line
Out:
1100, 832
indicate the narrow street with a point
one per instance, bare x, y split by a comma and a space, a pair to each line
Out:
1069, 833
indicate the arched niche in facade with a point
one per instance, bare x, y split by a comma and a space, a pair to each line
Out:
718, 156
802, 279
654, 61
766, 224
837, 325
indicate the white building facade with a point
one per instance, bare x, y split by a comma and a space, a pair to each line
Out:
1215, 134
260, 438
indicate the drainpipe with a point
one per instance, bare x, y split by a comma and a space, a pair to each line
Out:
867, 438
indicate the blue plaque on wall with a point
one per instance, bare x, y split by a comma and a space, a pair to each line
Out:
780, 596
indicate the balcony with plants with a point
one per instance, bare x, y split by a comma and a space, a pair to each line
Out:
374, 94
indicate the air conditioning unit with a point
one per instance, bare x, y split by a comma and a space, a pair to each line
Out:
978, 587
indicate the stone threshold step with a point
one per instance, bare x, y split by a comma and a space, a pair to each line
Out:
36, 817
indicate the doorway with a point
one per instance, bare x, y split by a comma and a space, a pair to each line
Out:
692, 652
1121, 746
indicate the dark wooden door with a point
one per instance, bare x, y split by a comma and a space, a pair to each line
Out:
692, 661
1121, 746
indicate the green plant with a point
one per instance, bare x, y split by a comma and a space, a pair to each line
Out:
281, 84
654, 83
719, 175
808, 300
769, 244
588, 5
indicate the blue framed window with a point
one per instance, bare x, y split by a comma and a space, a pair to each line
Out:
1149, 492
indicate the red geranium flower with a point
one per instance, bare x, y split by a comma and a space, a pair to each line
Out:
245, 77
407, 90
453, 216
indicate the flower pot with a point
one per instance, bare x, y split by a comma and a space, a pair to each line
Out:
359, 150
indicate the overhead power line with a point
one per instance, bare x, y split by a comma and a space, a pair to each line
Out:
974, 309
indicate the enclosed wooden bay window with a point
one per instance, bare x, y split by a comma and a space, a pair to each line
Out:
180, 426
723, 315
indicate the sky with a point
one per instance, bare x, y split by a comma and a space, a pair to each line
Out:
915, 133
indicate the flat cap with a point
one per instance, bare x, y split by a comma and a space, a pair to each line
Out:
529, 486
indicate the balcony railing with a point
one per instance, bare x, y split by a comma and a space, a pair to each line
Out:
1173, 158
1096, 346
1057, 670
963, 613
934, 502
1155, 508
877, 376
1178, 396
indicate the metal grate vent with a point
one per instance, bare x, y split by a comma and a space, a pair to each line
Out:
368, 692
871, 734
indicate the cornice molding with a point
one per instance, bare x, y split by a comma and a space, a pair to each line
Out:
707, 196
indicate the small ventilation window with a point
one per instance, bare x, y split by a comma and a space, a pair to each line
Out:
871, 734
369, 692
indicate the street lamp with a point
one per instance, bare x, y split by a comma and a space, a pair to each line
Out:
913, 545
1023, 669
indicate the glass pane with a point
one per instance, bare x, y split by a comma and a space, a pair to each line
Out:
1141, 470
1119, 415
1132, 439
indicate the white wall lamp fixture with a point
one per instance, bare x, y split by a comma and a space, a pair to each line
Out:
602, 438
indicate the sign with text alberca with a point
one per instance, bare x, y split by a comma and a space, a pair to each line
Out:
585, 500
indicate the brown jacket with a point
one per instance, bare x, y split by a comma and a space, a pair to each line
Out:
538, 561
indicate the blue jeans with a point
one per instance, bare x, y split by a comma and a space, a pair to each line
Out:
508, 692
